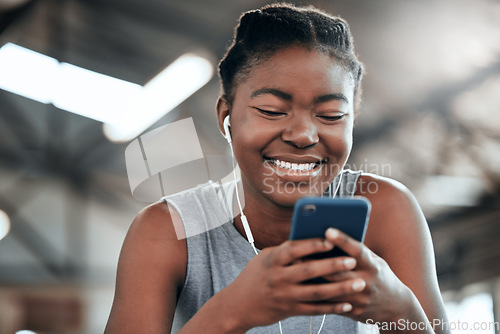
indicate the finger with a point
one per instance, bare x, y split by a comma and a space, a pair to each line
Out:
345, 242
291, 251
323, 308
305, 270
341, 276
327, 291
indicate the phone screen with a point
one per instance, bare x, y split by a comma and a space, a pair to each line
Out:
314, 215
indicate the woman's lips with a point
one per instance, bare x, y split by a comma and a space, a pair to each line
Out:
295, 169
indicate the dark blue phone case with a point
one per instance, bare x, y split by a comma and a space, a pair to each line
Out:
314, 215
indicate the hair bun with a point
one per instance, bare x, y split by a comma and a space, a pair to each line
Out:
247, 21
262, 32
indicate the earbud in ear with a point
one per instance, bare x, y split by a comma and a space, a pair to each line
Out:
227, 134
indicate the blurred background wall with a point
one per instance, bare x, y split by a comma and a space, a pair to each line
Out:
430, 118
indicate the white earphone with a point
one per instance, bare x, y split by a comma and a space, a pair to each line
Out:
226, 133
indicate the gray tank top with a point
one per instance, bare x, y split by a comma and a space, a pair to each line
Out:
217, 253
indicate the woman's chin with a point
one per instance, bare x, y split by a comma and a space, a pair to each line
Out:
288, 198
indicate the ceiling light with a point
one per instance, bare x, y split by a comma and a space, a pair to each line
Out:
27, 73
163, 93
126, 109
68, 87
91, 94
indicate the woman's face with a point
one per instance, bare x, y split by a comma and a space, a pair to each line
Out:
291, 124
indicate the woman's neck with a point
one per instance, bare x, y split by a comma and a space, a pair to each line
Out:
270, 224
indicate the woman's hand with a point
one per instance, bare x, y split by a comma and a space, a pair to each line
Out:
271, 288
384, 298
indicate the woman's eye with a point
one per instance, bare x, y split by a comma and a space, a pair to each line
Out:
271, 113
331, 118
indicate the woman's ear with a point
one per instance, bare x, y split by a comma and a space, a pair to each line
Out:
222, 111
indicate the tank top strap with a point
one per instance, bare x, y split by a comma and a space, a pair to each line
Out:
348, 180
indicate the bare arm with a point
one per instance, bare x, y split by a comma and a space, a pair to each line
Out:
399, 234
151, 269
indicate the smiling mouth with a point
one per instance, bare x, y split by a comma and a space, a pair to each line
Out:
290, 167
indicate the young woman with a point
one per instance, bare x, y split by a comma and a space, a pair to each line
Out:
290, 86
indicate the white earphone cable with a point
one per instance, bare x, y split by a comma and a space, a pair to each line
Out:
244, 220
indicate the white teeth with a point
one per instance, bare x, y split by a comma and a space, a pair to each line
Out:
294, 166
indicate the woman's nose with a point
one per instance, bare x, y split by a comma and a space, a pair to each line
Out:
301, 132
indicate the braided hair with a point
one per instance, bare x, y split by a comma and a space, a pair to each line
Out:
262, 32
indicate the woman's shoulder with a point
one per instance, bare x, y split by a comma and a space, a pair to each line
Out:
373, 184
395, 211
384, 191
157, 221
151, 236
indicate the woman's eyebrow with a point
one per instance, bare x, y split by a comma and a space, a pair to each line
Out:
273, 91
331, 97
288, 97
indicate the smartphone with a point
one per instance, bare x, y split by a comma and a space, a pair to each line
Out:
314, 215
